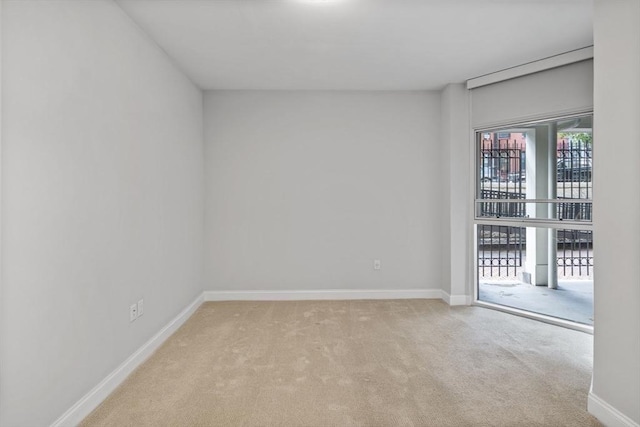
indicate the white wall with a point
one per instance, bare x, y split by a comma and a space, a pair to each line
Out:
102, 184
446, 136
305, 189
616, 369
457, 153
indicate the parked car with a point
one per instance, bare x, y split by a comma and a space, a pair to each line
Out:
517, 177
576, 169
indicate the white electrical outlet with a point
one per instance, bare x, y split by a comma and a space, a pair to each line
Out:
133, 312
140, 307
376, 264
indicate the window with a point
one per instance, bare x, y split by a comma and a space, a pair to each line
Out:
533, 217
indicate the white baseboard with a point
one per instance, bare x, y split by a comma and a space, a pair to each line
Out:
607, 414
456, 299
328, 294
91, 400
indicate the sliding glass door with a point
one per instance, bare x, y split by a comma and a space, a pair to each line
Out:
533, 218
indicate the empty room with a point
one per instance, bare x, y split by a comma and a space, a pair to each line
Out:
319, 213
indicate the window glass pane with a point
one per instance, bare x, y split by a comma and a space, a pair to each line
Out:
542, 161
537, 269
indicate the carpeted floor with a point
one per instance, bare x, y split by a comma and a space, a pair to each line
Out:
358, 363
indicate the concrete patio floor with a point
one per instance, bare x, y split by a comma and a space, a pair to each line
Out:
573, 300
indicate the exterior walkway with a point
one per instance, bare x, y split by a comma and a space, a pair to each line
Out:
573, 300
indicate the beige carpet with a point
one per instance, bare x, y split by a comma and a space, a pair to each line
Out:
357, 363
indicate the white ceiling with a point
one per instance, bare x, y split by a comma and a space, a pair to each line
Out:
357, 44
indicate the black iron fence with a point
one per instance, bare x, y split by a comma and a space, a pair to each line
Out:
502, 249
498, 209
575, 252
575, 210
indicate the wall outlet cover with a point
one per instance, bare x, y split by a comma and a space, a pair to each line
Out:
133, 312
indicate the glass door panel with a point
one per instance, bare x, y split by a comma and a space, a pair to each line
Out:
533, 216
537, 269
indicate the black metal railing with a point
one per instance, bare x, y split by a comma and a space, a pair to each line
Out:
502, 249
497, 209
575, 252
575, 210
